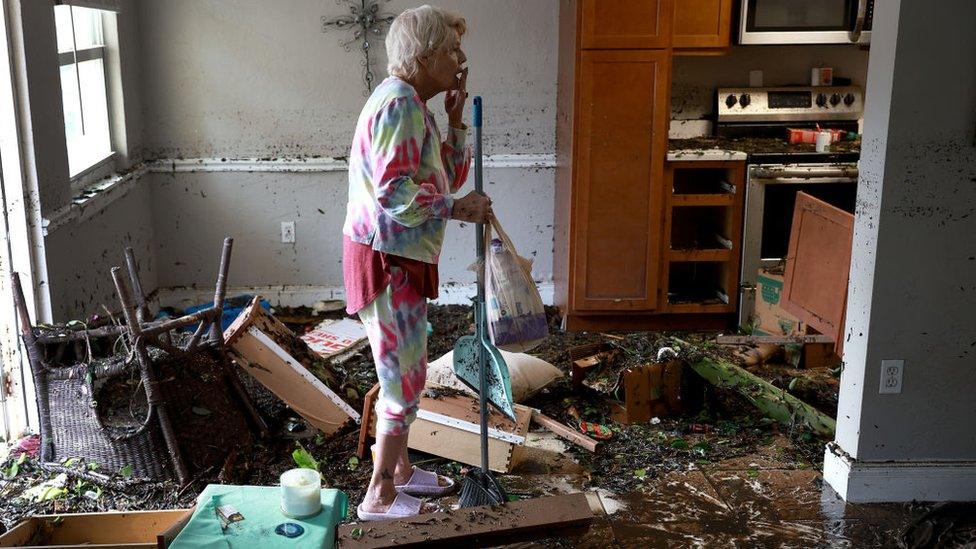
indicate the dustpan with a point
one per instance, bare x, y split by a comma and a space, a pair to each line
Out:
474, 354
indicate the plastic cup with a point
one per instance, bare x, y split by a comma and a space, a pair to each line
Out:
301, 493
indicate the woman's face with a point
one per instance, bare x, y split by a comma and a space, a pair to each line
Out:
444, 66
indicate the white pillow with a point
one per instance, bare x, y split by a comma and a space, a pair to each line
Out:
529, 374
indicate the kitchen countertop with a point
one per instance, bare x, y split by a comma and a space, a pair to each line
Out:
724, 148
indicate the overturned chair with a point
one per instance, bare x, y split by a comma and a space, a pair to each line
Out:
192, 398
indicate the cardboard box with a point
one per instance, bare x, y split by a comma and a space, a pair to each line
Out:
770, 318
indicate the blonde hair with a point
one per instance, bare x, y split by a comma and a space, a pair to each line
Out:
418, 32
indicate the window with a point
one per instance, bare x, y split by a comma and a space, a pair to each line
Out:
81, 53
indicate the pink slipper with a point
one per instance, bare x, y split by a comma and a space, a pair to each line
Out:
404, 505
425, 483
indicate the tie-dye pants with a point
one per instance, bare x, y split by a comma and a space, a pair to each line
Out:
396, 324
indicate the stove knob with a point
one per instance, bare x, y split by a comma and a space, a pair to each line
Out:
730, 101
834, 99
849, 99
744, 100
821, 100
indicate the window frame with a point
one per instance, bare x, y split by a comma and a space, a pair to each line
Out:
105, 166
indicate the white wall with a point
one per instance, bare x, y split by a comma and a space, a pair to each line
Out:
240, 79
913, 271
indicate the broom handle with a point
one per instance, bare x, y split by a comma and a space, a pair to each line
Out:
479, 304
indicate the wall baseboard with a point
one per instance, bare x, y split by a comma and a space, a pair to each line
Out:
297, 296
891, 481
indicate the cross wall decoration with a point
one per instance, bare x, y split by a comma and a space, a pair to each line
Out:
367, 23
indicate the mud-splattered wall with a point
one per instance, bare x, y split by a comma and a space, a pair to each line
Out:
82, 254
238, 79
257, 78
913, 272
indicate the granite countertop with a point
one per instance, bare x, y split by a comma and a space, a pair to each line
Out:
723, 148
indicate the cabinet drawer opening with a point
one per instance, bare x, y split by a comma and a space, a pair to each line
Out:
699, 282
701, 228
711, 181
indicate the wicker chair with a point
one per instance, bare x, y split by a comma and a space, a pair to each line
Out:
152, 448
75, 429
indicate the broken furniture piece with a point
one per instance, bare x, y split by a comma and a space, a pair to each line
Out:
149, 529
472, 526
818, 266
271, 353
650, 390
448, 426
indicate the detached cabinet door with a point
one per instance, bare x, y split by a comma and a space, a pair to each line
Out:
625, 24
702, 23
618, 194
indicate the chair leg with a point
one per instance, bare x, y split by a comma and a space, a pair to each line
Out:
216, 330
142, 309
36, 358
148, 374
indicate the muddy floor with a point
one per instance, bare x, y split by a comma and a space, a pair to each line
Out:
718, 474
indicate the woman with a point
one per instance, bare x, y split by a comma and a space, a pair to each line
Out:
401, 177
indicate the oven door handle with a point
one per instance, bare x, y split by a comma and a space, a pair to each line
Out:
862, 13
794, 174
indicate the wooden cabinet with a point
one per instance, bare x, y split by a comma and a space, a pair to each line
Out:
622, 133
615, 208
701, 24
702, 236
625, 24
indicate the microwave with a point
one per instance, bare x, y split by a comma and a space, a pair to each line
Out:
805, 21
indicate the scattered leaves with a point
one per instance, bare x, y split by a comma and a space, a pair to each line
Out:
640, 473
126, 471
679, 444
304, 459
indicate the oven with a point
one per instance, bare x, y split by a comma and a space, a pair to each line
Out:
805, 21
771, 187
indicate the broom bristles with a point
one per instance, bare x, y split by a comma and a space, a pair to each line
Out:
480, 488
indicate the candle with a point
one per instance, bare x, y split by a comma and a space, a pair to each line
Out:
301, 493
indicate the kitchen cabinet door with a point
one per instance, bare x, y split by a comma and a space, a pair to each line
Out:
618, 193
625, 24
702, 23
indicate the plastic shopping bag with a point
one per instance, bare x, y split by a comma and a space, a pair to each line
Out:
516, 316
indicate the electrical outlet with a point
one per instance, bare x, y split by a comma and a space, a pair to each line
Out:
891, 372
288, 232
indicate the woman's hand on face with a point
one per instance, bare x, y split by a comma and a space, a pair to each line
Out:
473, 207
454, 100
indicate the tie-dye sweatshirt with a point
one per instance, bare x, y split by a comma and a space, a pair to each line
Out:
401, 175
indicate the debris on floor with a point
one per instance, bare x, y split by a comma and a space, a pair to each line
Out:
636, 471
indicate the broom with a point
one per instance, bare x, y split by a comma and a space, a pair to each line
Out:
479, 486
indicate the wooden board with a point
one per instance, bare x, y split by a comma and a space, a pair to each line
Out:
447, 441
471, 527
258, 345
102, 530
778, 339
818, 266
